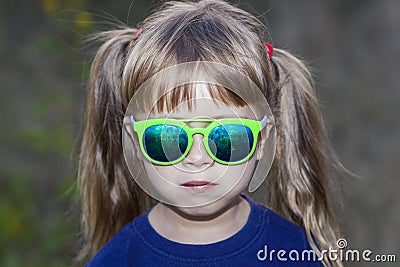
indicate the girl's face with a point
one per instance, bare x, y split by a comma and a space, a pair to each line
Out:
198, 185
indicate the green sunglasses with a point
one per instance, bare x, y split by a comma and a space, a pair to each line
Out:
228, 141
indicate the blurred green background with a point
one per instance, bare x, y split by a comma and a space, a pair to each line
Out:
353, 47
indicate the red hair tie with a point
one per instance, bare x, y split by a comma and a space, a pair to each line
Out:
270, 49
138, 32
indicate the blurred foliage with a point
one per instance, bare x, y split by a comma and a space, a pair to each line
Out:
44, 64
42, 104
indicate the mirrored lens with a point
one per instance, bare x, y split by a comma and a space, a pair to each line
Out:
230, 142
165, 143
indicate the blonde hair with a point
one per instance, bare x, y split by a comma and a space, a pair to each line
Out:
210, 30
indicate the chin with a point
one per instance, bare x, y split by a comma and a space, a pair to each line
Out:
202, 212
206, 210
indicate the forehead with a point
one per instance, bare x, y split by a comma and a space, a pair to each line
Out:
203, 105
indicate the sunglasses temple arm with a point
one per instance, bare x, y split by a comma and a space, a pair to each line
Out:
132, 120
263, 122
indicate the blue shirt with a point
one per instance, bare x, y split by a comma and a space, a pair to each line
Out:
267, 239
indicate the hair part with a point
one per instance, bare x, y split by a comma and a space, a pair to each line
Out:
208, 30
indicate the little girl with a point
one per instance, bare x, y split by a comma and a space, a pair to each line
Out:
185, 114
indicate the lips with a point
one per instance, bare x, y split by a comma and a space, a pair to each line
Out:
195, 183
198, 186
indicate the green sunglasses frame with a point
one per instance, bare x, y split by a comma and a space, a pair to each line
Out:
255, 126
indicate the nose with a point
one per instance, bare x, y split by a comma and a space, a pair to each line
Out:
197, 156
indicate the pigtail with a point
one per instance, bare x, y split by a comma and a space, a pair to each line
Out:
299, 184
110, 198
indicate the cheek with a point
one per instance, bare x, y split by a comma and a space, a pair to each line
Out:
161, 184
156, 173
236, 177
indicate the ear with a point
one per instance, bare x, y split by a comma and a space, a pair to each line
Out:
263, 136
128, 127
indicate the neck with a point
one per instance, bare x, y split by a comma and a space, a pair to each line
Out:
185, 225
